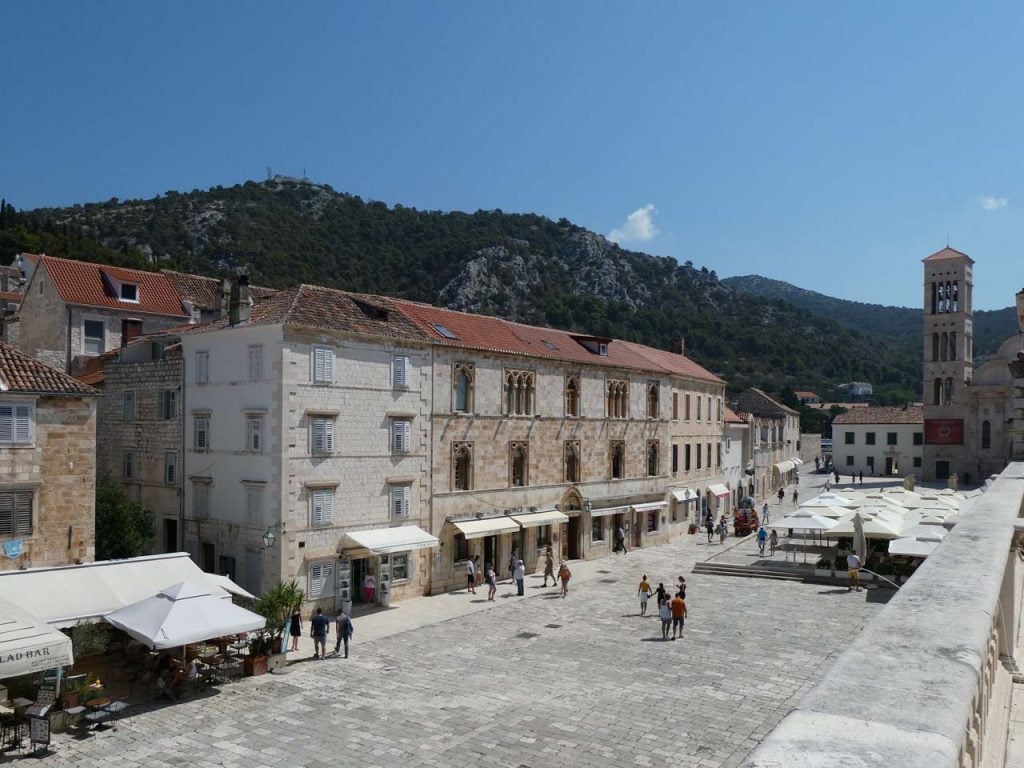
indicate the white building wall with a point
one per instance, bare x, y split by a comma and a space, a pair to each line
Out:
860, 456
733, 460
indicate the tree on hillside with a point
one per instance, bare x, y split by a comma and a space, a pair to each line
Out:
124, 527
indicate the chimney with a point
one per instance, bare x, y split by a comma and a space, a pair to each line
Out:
241, 303
225, 296
678, 346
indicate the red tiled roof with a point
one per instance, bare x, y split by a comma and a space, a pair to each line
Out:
947, 253
21, 373
497, 335
85, 284
912, 414
204, 291
802, 393
11, 296
731, 417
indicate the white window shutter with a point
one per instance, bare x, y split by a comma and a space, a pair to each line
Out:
329, 366
401, 373
6, 424
23, 423
328, 436
328, 506
23, 513
406, 494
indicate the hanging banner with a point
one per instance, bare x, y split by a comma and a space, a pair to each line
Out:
944, 431
12, 549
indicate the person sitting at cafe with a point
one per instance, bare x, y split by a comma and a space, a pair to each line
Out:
188, 674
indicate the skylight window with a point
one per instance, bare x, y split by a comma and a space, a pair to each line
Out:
550, 345
444, 331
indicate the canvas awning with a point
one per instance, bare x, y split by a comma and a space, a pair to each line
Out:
684, 495
605, 511
784, 466
385, 541
545, 517
65, 595
28, 644
797, 462
717, 489
225, 583
650, 506
488, 526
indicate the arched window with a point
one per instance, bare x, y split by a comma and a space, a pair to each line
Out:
947, 395
519, 393
618, 459
956, 296
519, 463
942, 297
572, 461
652, 458
572, 395
462, 466
949, 296
937, 392
952, 345
618, 399
463, 387
944, 347
986, 435
652, 400
934, 298
935, 347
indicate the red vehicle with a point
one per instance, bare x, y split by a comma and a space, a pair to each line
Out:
745, 522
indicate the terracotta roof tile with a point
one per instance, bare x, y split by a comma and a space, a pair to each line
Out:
804, 393
731, 417
21, 373
947, 253
85, 284
760, 403
11, 296
912, 414
204, 291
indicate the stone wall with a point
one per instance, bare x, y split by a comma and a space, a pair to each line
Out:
60, 468
43, 321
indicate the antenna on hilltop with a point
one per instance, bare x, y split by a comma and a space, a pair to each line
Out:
270, 173
304, 176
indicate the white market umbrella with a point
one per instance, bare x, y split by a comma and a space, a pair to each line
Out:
921, 545
834, 499
29, 645
860, 544
872, 526
182, 614
931, 531
805, 520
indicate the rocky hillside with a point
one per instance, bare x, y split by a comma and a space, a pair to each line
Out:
521, 266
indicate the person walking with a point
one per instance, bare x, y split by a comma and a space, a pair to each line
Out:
828, 486
662, 594
665, 614
549, 568
343, 626
471, 576
295, 628
644, 593
319, 626
773, 541
709, 524
852, 572
862, 477
781, 495
762, 539
837, 476
564, 574
620, 539
491, 578
512, 561
519, 574
369, 588
723, 530
677, 606
795, 496
681, 588
765, 514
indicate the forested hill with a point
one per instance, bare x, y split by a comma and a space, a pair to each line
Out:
520, 266
991, 327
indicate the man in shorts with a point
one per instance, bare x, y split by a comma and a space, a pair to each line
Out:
471, 576
852, 572
678, 607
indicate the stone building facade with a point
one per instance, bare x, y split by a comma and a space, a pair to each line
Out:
774, 442
879, 441
47, 465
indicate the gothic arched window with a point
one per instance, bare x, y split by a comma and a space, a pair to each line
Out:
937, 392
947, 395
618, 459
519, 454
463, 387
572, 461
986, 435
944, 347
652, 458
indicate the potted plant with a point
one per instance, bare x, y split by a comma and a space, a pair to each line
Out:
823, 568
277, 606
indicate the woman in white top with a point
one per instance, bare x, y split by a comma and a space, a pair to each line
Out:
369, 587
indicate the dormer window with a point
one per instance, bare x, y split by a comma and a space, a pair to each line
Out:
602, 350
129, 292
597, 345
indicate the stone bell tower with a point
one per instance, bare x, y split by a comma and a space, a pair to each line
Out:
948, 362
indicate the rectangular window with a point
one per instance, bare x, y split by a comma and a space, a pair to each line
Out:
169, 404
675, 406
708, 399
707, 455
401, 496
128, 405
401, 435
719, 409
321, 506
460, 548
16, 513
400, 372
686, 462
202, 367
16, 423
130, 292
686, 408
917, 461
919, 438
320, 576
597, 529
200, 500
226, 566
322, 365
170, 467
255, 362
848, 437
698, 407
718, 457
322, 435
675, 458
400, 567
890, 438
652, 522
254, 434
201, 433
699, 453
254, 505
849, 461
93, 337
128, 464
871, 462
543, 536
869, 438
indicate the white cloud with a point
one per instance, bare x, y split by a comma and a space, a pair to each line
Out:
992, 202
637, 228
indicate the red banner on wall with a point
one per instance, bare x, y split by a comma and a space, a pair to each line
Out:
944, 431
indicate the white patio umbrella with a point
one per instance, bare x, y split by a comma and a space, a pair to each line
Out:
805, 520
834, 499
873, 527
923, 529
860, 544
182, 614
921, 545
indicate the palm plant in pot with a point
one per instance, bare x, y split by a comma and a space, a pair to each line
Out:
276, 605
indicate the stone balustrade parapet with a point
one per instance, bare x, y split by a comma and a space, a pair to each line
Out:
904, 692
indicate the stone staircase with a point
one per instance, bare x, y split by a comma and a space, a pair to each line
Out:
712, 568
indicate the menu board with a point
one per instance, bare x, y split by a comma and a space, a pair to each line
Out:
39, 731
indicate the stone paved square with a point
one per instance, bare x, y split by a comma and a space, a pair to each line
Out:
601, 689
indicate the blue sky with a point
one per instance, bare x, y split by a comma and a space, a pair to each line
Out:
832, 145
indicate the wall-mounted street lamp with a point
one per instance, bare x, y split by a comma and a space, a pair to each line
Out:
588, 505
269, 537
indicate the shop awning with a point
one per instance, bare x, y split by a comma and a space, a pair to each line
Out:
384, 541
784, 467
489, 526
717, 489
797, 462
605, 511
29, 644
650, 506
545, 517
685, 494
